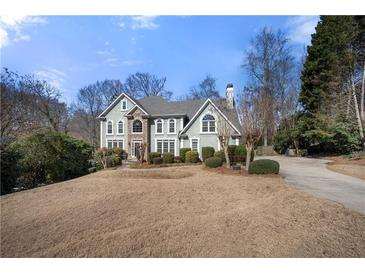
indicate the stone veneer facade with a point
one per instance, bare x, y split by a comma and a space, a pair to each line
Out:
137, 115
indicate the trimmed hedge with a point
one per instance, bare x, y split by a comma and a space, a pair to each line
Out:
157, 161
220, 154
207, 152
152, 155
183, 152
264, 166
213, 162
191, 157
231, 153
177, 159
168, 158
240, 154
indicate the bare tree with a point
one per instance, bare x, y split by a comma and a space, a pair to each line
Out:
141, 149
225, 132
206, 89
252, 108
146, 84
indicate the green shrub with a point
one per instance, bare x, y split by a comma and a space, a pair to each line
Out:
191, 157
207, 152
9, 169
183, 152
240, 154
168, 158
231, 152
177, 159
213, 162
157, 161
98, 166
48, 156
152, 155
117, 160
117, 151
220, 154
264, 166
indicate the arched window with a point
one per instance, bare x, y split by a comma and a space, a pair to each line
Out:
137, 126
159, 126
172, 126
120, 127
110, 127
208, 123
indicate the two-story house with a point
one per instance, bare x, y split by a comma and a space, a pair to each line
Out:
166, 126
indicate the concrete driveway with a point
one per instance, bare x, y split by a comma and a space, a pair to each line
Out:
312, 176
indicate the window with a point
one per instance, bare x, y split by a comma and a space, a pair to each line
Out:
195, 144
208, 123
120, 127
137, 126
110, 127
172, 126
116, 143
165, 145
124, 104
159, 126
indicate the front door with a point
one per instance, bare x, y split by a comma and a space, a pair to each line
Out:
135, 148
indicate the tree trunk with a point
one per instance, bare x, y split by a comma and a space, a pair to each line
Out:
348, 104
358, 118
248, 155
362, 100
225, 149
265, 136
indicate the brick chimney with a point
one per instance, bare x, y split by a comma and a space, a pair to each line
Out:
229, 96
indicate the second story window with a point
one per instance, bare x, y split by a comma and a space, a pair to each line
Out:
172, 126
137, 126
208, 123
159, 126
124, 104
110, 127
120, 127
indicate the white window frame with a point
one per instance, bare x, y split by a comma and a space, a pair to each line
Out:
162, 121
121, 105
168, 126
107, 127
191, 144
115, 139
133, 142
201, 124
133, 129
122, 128
168, 144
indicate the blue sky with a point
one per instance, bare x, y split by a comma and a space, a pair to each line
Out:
73, 51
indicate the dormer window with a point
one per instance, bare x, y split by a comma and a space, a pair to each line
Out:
124, 104
159, 126
208, 123
172, 126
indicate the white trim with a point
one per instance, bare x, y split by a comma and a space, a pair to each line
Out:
181, 123
107, 127
118, 98
136, 106
168, 145
132, 127
181, 143
219, 144
237, 141
101, 134
121, 105
215, 126
159, 133
191, 141
121, 120
198, 112
115, 139
168, 126
135, 141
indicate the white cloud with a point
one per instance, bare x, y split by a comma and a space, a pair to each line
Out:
11, 28
144, 22
53, 76
301, 28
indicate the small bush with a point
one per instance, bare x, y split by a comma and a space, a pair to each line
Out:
98, 166
117, 151
191, 157
92, 169
168, 158
207, 152
264, 166
117, 161
177, 159
183, 152
240, 154
231, 153
213, 162
157, 161
220, 154
152, 155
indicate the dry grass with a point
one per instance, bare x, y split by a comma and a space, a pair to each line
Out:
352, 167
114, 214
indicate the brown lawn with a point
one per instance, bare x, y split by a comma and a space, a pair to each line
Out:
176, 212
352, 167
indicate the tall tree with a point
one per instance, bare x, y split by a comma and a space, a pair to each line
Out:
206, 89
270, 67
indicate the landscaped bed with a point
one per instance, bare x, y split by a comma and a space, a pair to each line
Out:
352, 167
113, 213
